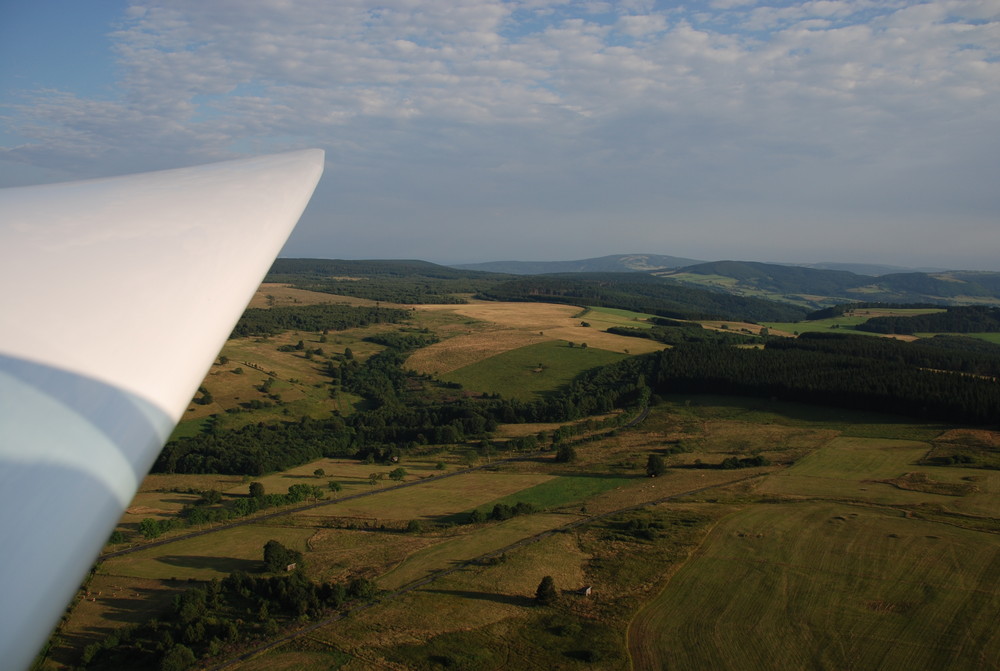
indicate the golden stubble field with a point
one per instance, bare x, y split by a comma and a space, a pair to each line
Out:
515, 325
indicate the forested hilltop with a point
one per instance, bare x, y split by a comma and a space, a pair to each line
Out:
416, 282
820, 287
641, 293
407, 282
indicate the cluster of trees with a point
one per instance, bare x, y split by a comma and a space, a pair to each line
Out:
208, 509
970, 319
681, 333
842, 309
206, 620
324, 317
278, 558
501, 512
640, 293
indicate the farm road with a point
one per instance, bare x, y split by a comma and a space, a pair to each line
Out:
437, 575
310, 506
288, 511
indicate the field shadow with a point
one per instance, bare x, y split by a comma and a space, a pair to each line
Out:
134, 605
508, 599
220, 564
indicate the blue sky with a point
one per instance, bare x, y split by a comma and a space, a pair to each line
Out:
475, 130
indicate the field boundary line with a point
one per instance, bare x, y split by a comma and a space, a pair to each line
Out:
441, 573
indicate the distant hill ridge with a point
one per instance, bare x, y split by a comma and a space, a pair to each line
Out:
615, 263
801, 286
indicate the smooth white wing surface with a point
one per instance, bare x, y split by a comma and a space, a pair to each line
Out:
115, 297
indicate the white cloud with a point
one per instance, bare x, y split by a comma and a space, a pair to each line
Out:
537, 102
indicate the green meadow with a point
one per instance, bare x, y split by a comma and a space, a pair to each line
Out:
528, 372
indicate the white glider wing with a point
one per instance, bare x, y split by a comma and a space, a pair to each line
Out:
116, 295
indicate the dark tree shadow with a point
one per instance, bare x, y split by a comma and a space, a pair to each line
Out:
220, 564
509, 599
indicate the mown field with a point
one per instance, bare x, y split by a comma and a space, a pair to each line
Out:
827, 586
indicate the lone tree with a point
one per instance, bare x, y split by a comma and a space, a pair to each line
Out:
277, 557
546, 594
256, 490
565, 454
655, 466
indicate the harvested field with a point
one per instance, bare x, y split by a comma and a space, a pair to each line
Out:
465, 350
517, 325
270, 295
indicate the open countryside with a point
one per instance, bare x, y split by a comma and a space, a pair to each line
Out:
773, 535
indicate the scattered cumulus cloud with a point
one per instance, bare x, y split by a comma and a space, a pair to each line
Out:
764, 123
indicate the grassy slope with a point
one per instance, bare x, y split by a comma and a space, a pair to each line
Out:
517, 374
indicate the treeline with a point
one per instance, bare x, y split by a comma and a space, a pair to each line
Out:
324, 317
407, 282
684, 333
970, 319
208, 510
284, 269
942, 353
641, 293
217, 618
842, 309
394, 290
849, 379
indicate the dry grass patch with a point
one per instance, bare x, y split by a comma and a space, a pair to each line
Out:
465, 350
214, 555
519, 325
155, 482
272, 294
471, 542
340, 554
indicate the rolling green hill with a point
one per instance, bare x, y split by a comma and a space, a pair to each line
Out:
615, 263
818, 287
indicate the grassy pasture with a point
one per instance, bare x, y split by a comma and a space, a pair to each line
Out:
301, 383
851, 468
214, 555
603, 318
273, 294
468, 545
695, 412
481, 615
434, 499
517, 373
849, 320
562, 490
827, 586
